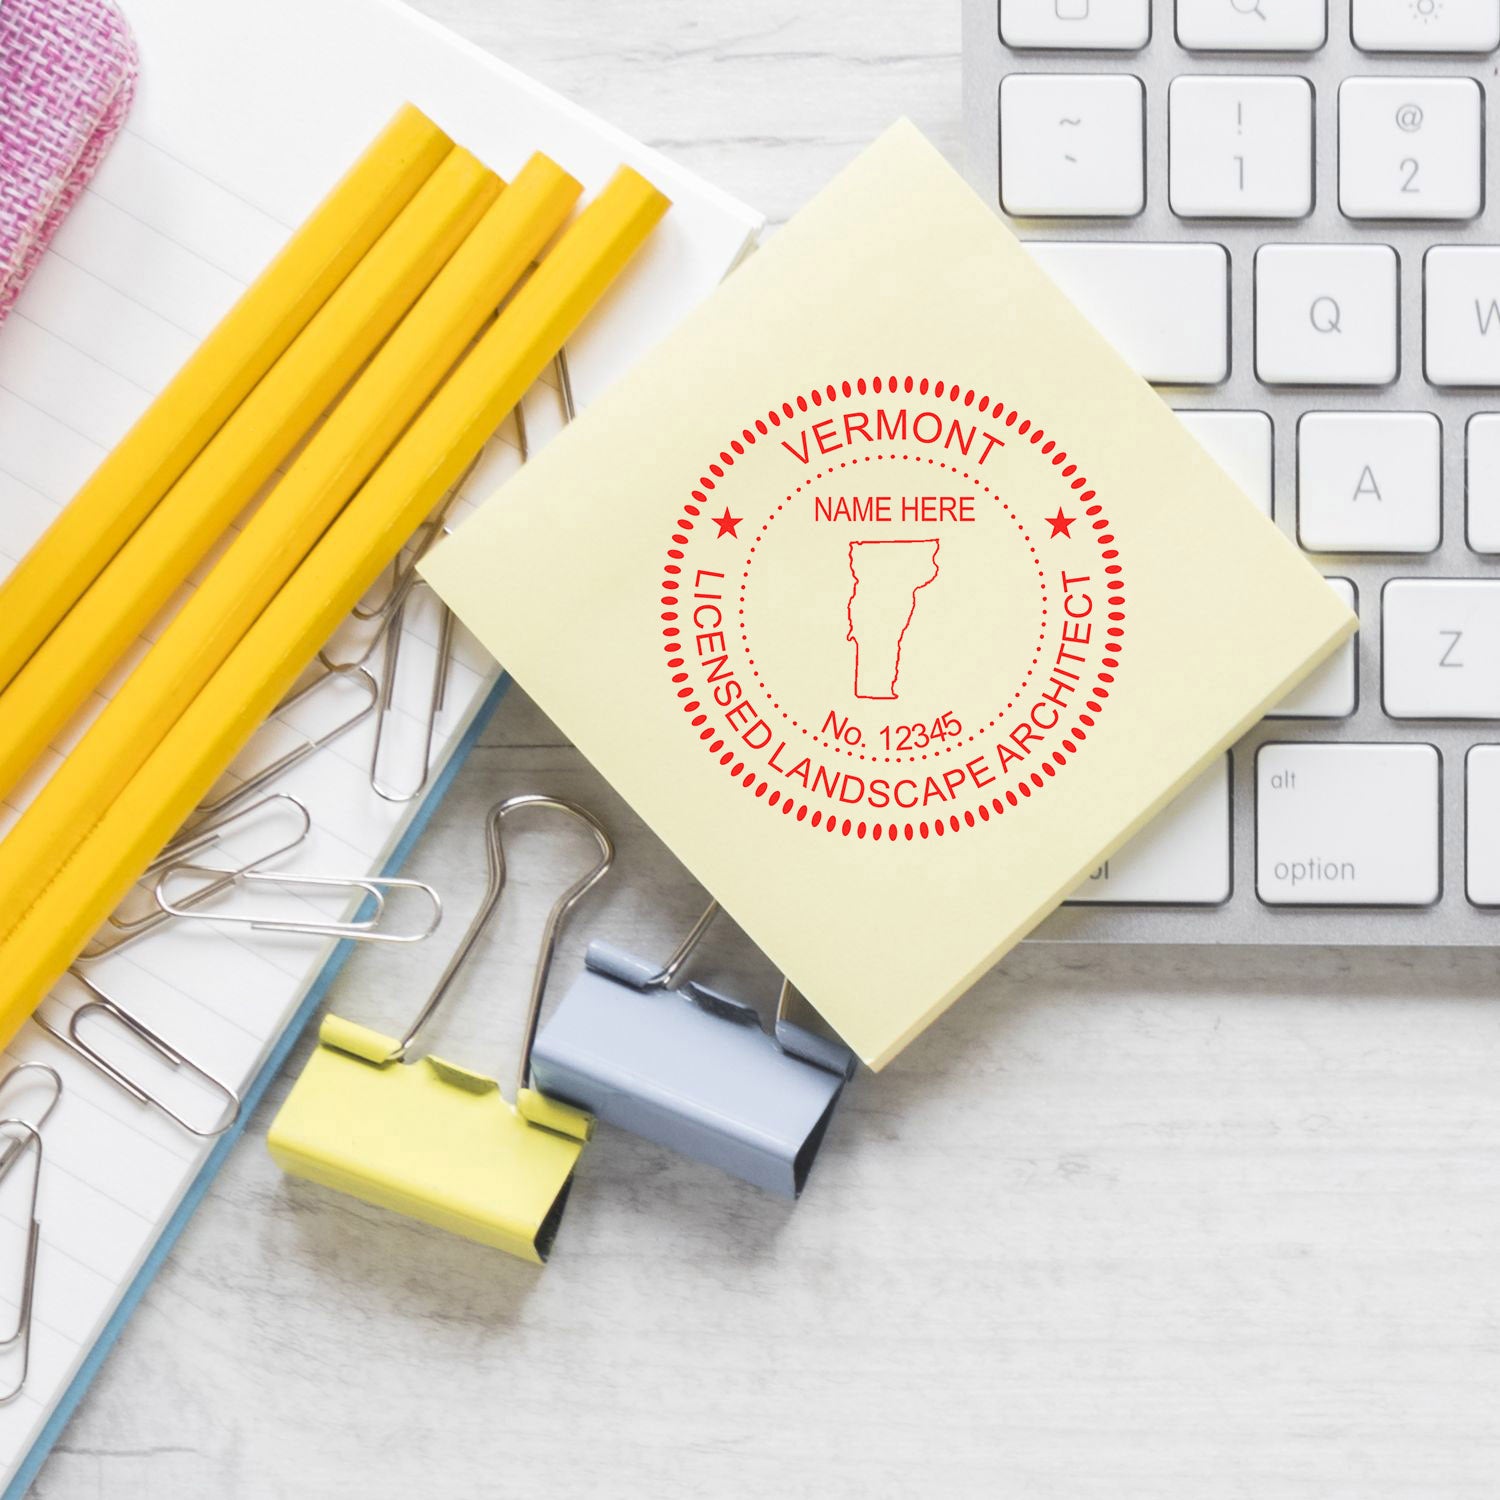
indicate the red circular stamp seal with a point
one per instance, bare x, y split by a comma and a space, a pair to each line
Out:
892, 608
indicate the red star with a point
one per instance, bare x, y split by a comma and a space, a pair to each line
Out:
1060, 523
726, 523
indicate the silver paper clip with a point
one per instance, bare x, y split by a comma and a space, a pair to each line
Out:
178, 1061
386, 608
123, 929
436, 696
10, 1149
390, 620
690, 1068
25, 1138
392, 614
403, 576
403, 571
311, 744
569, 406
366, 926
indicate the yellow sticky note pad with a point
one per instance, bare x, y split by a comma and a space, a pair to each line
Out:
888, 595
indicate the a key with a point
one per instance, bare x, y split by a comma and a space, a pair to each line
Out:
1241, 148
1410, 148
1181, 856
1482, 824
1440, 647
1483, 470
1164, 307
1252, 25
1427, 25
1347, 825
1072, 144
1240, 443
1463, 314
1332, 691
1106, 25
1369, 481
1326, 314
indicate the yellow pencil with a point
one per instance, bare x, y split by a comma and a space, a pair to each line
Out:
266, 426
339, 457
62, 914
273, 310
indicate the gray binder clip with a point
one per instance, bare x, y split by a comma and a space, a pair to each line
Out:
691, 1068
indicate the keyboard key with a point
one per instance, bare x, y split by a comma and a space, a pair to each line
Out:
1482, 824
1332, 692
1252, 25
1072, 144
1347, 825
1180, 857
1427, 25
1325, 314
1484, 482
1463, 315
1441, 648
1164, 307
1411, 148
1241, 148
1240, 443
1105, 25
1369, 481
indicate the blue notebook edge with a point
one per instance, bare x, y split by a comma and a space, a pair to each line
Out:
62, 1413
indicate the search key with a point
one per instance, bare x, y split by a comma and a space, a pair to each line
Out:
1326, 314
1252, 25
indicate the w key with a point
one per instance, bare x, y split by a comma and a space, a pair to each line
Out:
1442, 648
1463, 315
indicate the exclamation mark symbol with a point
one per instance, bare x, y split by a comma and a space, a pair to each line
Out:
1239, 129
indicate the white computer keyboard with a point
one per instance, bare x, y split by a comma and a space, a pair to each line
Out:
1282, 213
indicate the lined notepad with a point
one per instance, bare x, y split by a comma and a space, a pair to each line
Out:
244, 115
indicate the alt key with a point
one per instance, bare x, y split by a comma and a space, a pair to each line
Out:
1347, 825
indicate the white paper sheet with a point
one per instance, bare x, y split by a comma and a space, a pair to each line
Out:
246, 113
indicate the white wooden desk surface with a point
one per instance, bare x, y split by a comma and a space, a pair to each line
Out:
1166, 1224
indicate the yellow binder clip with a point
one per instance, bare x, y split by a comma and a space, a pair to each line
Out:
431, 1139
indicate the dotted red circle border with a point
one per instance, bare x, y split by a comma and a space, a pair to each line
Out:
974, 735
1027, 783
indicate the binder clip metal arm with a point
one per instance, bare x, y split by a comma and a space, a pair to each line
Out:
562, 908
432, 1139
690, 1068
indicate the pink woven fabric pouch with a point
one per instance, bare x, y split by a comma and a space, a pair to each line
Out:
67, 74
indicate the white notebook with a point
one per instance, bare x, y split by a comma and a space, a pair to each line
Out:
245, 115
